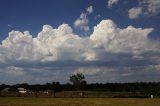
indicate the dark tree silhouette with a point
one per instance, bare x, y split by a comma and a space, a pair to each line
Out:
56, 87
78, 80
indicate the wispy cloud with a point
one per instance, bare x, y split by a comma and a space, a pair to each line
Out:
112, 2
145, 7
9, 25
89, 9
83, 21
134, 13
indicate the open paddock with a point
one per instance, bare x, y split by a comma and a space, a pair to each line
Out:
32, 101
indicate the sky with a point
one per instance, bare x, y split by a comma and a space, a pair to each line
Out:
106, 40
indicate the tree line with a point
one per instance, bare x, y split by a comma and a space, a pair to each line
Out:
78, 83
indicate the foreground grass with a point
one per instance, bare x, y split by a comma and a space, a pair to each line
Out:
22, 101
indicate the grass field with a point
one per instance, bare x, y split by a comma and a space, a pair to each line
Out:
22, 101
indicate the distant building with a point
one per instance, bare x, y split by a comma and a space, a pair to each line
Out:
6, 90
152, 96
22, 90
47, 91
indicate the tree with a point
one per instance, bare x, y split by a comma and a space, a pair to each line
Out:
56, 87
78, 80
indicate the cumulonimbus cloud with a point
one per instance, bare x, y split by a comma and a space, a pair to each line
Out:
61, 44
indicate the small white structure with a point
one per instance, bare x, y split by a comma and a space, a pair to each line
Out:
152, 96
45, 92
22, 90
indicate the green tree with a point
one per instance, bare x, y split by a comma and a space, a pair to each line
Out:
78, 80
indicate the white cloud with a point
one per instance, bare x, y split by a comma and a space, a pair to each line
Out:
9, 25
151, 7
89, 9
120, 74
92, 71
50, 45
88, 70
113, 39
145, 7
16, 42
135, 12
22, 53
15, 71
82, 22
112, 2
62, 44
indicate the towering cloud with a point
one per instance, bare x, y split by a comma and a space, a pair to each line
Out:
113, 39
59, 52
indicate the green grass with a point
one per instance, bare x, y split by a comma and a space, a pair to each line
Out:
24, 101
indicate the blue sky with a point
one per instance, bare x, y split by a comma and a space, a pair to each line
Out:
130, 32
32, 15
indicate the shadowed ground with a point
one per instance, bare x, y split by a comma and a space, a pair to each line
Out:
24, 101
